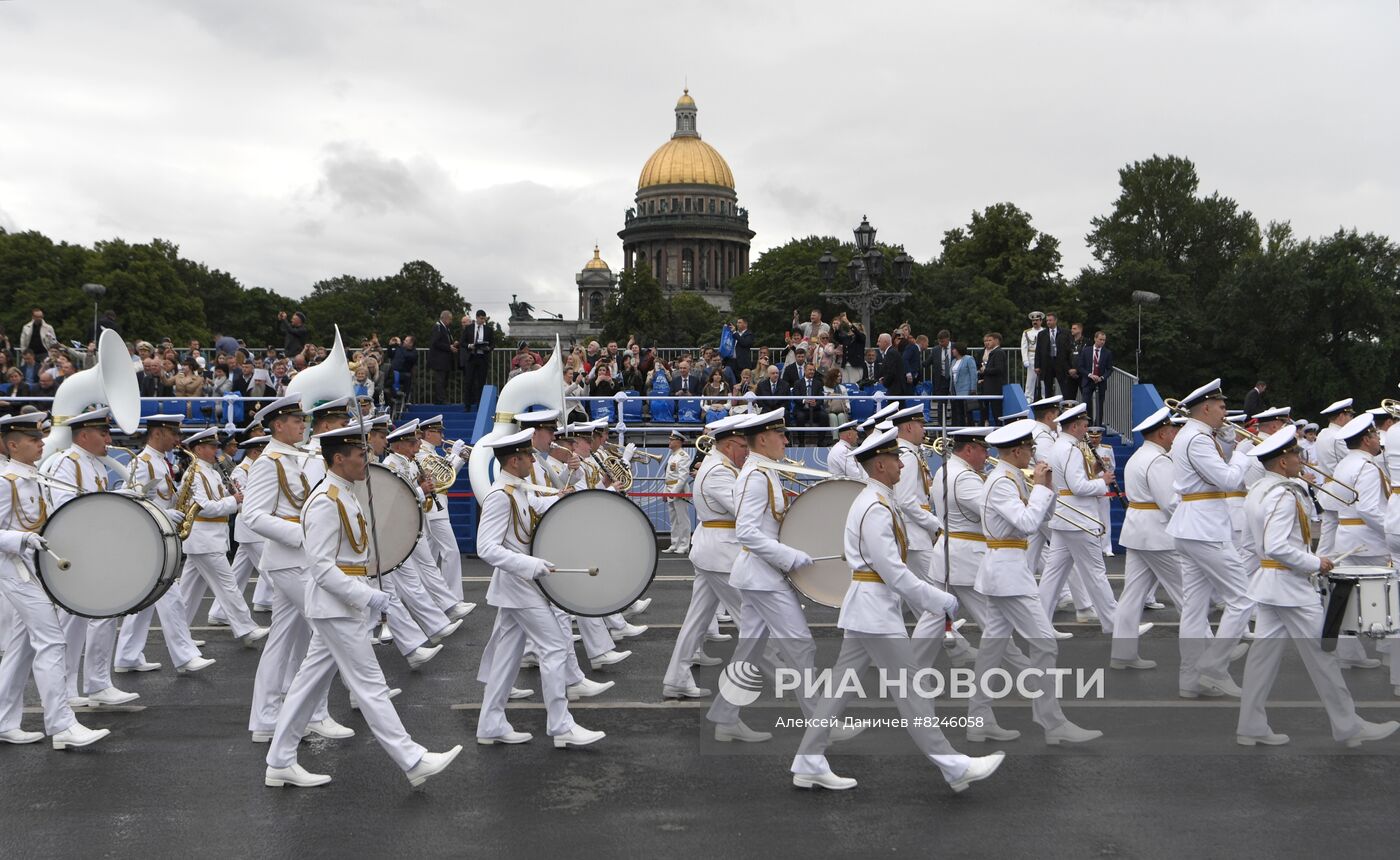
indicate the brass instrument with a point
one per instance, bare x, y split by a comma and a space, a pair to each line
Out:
637, 453
438, 468
618, 470
703, 444
1176, 407
184, 501
789, 466
1391, 407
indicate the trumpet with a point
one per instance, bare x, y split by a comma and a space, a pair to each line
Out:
1095, 530
1391, 407
1175, 406
613, 449
789, 466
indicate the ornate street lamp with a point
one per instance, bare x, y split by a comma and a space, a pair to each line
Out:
866, 269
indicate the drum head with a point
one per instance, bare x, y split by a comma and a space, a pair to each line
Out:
1359, 571
116, 552
395, 519
595, 528
815, 523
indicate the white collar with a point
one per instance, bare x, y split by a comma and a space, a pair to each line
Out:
15, 467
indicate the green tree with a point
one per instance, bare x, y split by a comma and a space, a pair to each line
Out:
144, 286
639, 309
36, 272
406, 303
692, 320
1001, 246
785, 278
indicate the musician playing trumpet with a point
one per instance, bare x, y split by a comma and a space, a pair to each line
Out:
439, 526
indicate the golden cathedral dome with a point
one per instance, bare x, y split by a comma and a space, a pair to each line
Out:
596, 262
685, 159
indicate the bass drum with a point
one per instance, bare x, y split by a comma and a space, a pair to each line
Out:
395, 519
123, 555
815, 523
595, 528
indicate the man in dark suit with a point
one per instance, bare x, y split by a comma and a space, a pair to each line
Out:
913, 362
684, 383
891, 367
1052, 360
807, 409
1095, 367
442, 355
771, 386
991, 376
1254, 401
474, 355
795, 370
941, 362
870, 368
743, 348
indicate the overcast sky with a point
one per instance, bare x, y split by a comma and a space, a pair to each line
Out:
287, 141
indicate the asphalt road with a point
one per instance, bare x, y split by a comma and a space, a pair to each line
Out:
180, 776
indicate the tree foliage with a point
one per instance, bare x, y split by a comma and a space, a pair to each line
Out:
401, 304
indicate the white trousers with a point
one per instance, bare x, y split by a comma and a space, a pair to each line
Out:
1077, 554
92, 641
1105, 517
211, 570
262, 592
680, 524
245, 561
1329, 532
7, 622
283, 651
500, 663
1021, 614
408, 636
894, 655
35, 646
928, 635
597, 641
447, 554
764, 614
1273, 628
343, 644
709, 590
131, 641
1210, 568
427, 596
929, 630
1031, 380
1143, 570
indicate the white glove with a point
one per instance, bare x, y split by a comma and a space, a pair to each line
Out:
950, 604
542, 568
35, 543
802, 560
379, 601
457, 448
176, 516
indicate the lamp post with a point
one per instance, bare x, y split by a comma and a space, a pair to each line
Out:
97, 291
1140, 298
866, 270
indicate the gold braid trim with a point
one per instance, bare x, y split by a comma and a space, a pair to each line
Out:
333, 493
26, 525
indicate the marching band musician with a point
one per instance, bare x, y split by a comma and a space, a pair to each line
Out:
1094, 438
80, 467
1074, 551
250, 543
712, 554
35, 643
1265, 423
407, 451
1011, 514
593, 476
839, 461
325, 416
378, 427
439, 521
504, 534
1361, 524
1046, 412
677, 472
1276, 509
206, 548
339, 608
1203, 534
1327, 452
872, 621
277, 489
1148, 484
151, 471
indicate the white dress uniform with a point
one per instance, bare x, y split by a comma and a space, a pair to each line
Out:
911, 495
1328, 451
206, 551
249, 553
1044, 438
336, 604
545, 471
418, 582
441, 539
1010, 515
841, 464
504, 534
1074, 553
1110, 461
1390, 457
712, 554
1210, 564
35, 642
1289, 608
1148, 482
677, 474
277, 489
97, 637
768, 604
1361, 525
872, 619
153, 472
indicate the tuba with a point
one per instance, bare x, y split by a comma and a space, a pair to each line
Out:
543, 388
329, 380
113, 382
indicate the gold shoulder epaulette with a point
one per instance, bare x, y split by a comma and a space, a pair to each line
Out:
274, 455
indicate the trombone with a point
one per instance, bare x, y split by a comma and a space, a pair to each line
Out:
940, 445
637, 453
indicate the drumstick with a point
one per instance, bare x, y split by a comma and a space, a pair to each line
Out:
827, 557
1350, 552
591, 571
63, 563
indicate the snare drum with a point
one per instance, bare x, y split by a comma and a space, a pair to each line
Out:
815, 523
595, 528
124, 554
395, 520
1372, 597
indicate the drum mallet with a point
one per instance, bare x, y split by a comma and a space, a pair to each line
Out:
827, 557
63, 563
1352, 551
591, 571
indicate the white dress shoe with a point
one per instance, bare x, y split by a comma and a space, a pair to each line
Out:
1368, 663
20, 736
329, 728
460, 610
78, 702
629, 630
724, 617
1063, 634
112, 696
262, 737
1272, 739
965, 659
992, 732
355, 703
637, 608
277, 777
519, 693
422, 655
828, 780
1144, 627
670, 692
979, 768
1372, 732
1226, 685
143, 666
1203, 693
530, 660
261, 607
432, 764
452, 627
611, 658
216, 622
1135, 663
1156, 604
740, 732
195, 665
1064, 603
254, 636
717, 637
842, 733
1086, 616
1396, 690
78, 735
700, 658
511, 737
587, 688
578, 736
1069, 733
